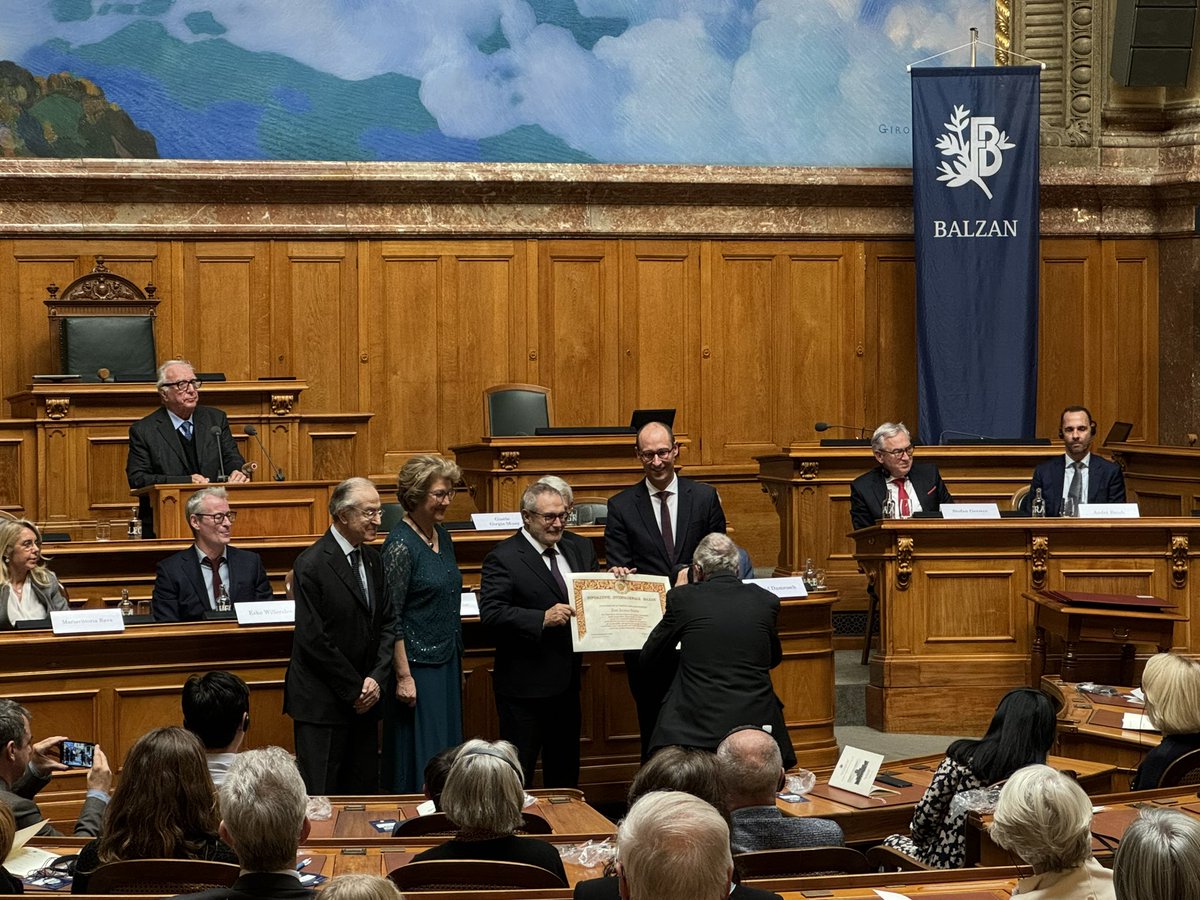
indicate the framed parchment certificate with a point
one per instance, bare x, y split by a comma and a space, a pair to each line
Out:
613, 613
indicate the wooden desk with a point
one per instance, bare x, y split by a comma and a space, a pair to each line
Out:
1165, 481
263, 507
956, 631
1089, 727
1075, 623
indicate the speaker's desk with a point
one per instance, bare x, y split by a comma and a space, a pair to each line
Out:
956, 633
263, 506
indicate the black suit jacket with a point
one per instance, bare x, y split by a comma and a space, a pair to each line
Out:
609, 888
517, 590
257, 886
729, 646
156, 455
632, 536
1106, 484
180, 594
337, 641
869, 491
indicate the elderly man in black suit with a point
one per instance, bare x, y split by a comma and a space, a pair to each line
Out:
912, 486
653, 528
524, 602
1078, 475
726, 631
189, 583
181, 441
263, 819
342, 647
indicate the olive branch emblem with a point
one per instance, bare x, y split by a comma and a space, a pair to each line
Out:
965, 169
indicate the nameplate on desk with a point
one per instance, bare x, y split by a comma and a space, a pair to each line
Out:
505, 521
468, 604
1108, 511
86, 621
781, 587
266, 612
970, 511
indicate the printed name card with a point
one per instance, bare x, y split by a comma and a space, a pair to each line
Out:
468, 604
266, 612
1108, 511
970, 511
781, 587
504, 521
86, 621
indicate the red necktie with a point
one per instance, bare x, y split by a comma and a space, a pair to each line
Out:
902, 496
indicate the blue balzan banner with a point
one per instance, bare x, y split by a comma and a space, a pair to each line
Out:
975, 221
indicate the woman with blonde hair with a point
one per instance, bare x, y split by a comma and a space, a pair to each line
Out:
164, 807
1171, 685
28, 590
357, 886
423, 714
1044, 818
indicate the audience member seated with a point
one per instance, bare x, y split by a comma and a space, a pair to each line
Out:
165, 807
436, 772
28, 590
752, 772
263, 819
216, 708
25, 769
484, 797
1159, 857
1044, 818
1172, 687
9, 884
1020, 734
683, 769
673, 846
361, 887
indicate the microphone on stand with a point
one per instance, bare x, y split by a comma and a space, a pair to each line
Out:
215, 431
970, 434
825, 426
276, 472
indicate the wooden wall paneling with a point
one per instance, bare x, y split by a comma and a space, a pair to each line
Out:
578, 345
661, 335
224, 304
18, 468
314, 313
1069, 329
104, 450
889, 336
1128, 352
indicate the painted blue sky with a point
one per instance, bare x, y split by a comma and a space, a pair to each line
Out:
790, 82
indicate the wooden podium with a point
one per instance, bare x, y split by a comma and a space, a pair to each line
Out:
264, 508
955, 630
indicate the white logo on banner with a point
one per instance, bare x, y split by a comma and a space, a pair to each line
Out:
977, 146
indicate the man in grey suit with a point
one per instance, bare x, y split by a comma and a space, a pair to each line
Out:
341, 648
181, 441
25, 769
189, 583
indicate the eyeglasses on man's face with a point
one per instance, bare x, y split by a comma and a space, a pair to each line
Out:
370, 513
219, 517
550, 518
442, 495
183, 385
899, 452
660, 453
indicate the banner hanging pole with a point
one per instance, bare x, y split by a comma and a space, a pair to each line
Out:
974, 44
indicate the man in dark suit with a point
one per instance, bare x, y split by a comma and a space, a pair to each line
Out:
912, 486
341, 648
727, 630
181, 441
524, 602
25, 769
653, 528
263, 819
1091, 479
189, 583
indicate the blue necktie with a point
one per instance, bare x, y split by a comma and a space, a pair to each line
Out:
185, 429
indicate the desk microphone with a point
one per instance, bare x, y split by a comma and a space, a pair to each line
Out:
825, 426
970, 434
215, 431
276, 472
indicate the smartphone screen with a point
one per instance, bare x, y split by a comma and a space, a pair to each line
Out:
77, 754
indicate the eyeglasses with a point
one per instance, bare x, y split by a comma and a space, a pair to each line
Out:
899, 452
441, 495
181, 386
220, 517
369, 513
660, 453
550, 518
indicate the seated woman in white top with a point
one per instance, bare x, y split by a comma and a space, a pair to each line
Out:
28, 590
1044, 818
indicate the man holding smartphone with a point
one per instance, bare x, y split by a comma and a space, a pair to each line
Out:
25, 769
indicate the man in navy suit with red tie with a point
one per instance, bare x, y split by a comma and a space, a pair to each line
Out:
912, 486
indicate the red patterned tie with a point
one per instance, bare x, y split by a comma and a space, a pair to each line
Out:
902, 496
